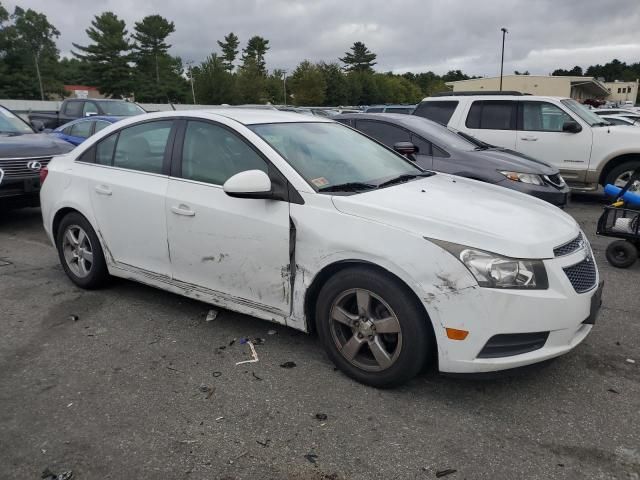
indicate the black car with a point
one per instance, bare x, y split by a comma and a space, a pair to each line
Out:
435, 147
22, 154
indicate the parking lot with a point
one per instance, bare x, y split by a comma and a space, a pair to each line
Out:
132, 382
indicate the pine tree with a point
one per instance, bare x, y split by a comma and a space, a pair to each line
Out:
109, 55
359, 59
229, 50
255, 51
308, 85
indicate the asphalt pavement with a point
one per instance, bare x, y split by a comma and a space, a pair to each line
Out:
130, 382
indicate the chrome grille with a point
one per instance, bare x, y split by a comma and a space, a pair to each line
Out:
570, 247
556, 180
582, 275
19, 167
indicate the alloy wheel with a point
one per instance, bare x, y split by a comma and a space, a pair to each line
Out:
365, 330
623, 178
77, 250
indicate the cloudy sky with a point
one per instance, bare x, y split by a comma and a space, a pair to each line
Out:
407, 35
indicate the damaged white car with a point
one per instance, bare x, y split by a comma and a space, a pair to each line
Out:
308, 223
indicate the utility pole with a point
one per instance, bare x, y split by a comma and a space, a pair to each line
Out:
504, 32
37, 54
193, 91
284, 86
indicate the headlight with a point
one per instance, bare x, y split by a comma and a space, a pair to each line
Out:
531, 178
495, 271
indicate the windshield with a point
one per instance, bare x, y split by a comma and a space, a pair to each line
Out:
584, 113
10, 123
123, 109
329, 154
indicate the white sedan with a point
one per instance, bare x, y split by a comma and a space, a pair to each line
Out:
308, 223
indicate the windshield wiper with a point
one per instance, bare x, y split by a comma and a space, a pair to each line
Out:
348, 187
405, 178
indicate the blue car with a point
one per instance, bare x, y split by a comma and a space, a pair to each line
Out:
77, 131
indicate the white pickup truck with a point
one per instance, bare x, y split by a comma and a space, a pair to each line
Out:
587, 150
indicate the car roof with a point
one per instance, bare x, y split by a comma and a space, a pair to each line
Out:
492, 97
248, 116
411, 122
106, 118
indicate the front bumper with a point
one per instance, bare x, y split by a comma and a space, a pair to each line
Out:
15, 190
555, 196
567, 316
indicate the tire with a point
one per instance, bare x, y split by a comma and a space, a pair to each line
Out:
620, 172
75, 240
622, 254
401, 351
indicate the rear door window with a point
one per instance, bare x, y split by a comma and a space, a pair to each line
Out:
383, 132
142, 147
492, 115
437, 111
104, 150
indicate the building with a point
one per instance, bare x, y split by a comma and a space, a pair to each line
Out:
579, 88
83, 91
622, 91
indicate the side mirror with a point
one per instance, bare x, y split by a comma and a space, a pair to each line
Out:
38, 125
406, 148
571, 127
249, 184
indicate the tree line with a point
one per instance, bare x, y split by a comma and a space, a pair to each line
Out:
138, 64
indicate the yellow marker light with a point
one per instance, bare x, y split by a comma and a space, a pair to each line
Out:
455, 334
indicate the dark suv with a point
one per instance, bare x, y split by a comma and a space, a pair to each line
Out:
22, 154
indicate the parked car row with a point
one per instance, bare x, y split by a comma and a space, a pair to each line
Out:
587, 149
319, 227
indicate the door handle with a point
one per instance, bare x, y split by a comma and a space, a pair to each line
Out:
183, 210
529, 139
103, 190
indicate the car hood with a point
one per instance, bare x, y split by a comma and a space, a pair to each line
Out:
508, 160
32, 145
468, 212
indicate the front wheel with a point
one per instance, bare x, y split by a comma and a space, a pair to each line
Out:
621, 254
373, 328
80, 252
620, 175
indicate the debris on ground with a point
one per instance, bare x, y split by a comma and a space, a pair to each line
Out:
630, 360
204, 388
232, 342
238, 456
272, 332
264, 443
216, 374
258, 341
222, 347
219, 418
255, 376
47, 474
74, 318
321, 416
254, 354
288, 365
211, 315
613, 390
311, 457
444, 473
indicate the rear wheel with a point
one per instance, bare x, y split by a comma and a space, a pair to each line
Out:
80, 252
372, 327
620, 175
622, 254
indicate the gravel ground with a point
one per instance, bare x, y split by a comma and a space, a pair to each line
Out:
139, 386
